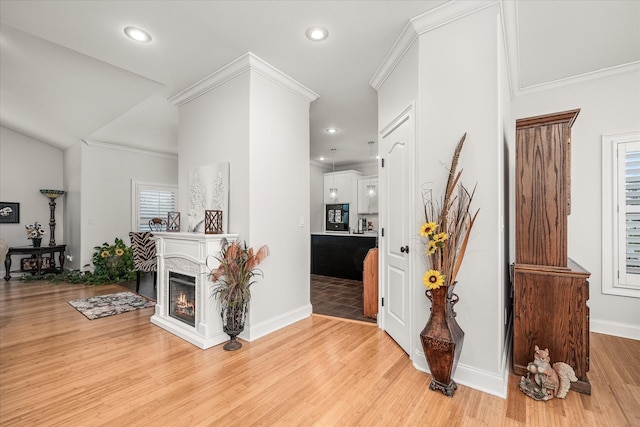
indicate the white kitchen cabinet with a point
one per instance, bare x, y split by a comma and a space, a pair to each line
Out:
368, 204
347, 184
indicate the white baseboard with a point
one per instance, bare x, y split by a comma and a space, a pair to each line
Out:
278, 322
496, 384
623, 330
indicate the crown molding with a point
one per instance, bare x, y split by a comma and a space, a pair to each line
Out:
580, 79
247, 62
318, 163
115, 146
428, 21
509, 13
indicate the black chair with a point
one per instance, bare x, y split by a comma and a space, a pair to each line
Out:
144, 256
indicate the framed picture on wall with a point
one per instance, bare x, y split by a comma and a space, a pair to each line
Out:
9, 213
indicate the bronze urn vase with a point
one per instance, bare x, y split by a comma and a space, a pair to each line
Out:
442, 339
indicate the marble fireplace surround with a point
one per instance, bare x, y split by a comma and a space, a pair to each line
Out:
189, 254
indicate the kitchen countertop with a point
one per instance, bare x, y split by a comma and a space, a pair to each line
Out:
344, 234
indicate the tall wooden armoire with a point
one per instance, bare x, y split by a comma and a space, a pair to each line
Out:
550, 290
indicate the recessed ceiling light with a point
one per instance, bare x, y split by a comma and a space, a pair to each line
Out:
137, 34
321, 158
317, 34
332, 130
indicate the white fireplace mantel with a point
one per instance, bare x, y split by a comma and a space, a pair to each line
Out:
192, 254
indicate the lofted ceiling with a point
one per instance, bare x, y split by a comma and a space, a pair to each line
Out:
68, 73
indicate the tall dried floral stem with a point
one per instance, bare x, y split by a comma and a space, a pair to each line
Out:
454, 218
452, 180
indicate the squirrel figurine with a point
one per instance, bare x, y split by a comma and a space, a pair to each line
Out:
544, 382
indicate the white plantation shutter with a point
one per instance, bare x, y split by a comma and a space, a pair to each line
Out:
153, 201
628, 215
621, 214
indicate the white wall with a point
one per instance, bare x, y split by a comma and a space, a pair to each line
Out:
106, 196
316, 190
507, 136
73, 204
214, 128
26, 166
608, 106
279, 200
460, 92
455, 74
262, 130
97, 205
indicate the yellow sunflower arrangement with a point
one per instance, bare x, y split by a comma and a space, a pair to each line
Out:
112, 263
447, 227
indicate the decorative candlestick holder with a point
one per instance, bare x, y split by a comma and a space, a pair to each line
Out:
52, 195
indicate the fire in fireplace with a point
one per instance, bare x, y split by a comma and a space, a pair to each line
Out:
182, 297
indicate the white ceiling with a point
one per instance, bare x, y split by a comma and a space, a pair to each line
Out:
67, 72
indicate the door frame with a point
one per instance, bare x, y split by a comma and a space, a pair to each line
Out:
408, 114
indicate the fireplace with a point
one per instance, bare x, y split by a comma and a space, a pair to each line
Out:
184, 305
182, 297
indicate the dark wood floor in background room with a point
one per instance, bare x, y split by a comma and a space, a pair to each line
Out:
332, 296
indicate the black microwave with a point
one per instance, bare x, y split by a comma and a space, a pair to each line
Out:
337, 217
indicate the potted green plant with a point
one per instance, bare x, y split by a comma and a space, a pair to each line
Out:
233, 278
113, 263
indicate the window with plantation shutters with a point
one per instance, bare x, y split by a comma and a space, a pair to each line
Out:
629, 212
621, 215
152, 201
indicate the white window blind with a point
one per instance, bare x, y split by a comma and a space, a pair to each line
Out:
629, 214
153, 201
621, 214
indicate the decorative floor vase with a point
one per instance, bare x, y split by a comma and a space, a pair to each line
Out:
233, 318
442, 339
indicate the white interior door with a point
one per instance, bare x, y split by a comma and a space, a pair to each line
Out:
396, 149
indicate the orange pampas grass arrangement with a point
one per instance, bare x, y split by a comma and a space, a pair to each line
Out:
236, 272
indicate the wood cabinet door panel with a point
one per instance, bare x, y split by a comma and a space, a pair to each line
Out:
550, 311
541, 211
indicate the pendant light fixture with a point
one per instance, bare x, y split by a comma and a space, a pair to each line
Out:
333, 191
371, 189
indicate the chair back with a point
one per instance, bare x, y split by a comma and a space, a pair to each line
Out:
144, 251
157, 224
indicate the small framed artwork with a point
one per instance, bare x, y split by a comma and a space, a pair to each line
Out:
31, 264
9, 213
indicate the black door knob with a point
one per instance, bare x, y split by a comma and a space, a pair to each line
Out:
404, 249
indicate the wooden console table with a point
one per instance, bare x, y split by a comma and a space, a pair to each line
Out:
37, 254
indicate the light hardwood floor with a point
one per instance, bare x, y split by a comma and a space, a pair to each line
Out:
58, 368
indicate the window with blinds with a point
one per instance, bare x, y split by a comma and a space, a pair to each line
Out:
632, 210
621, 214
629, 213
153, 201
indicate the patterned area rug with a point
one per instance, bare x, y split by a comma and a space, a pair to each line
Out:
108, 305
